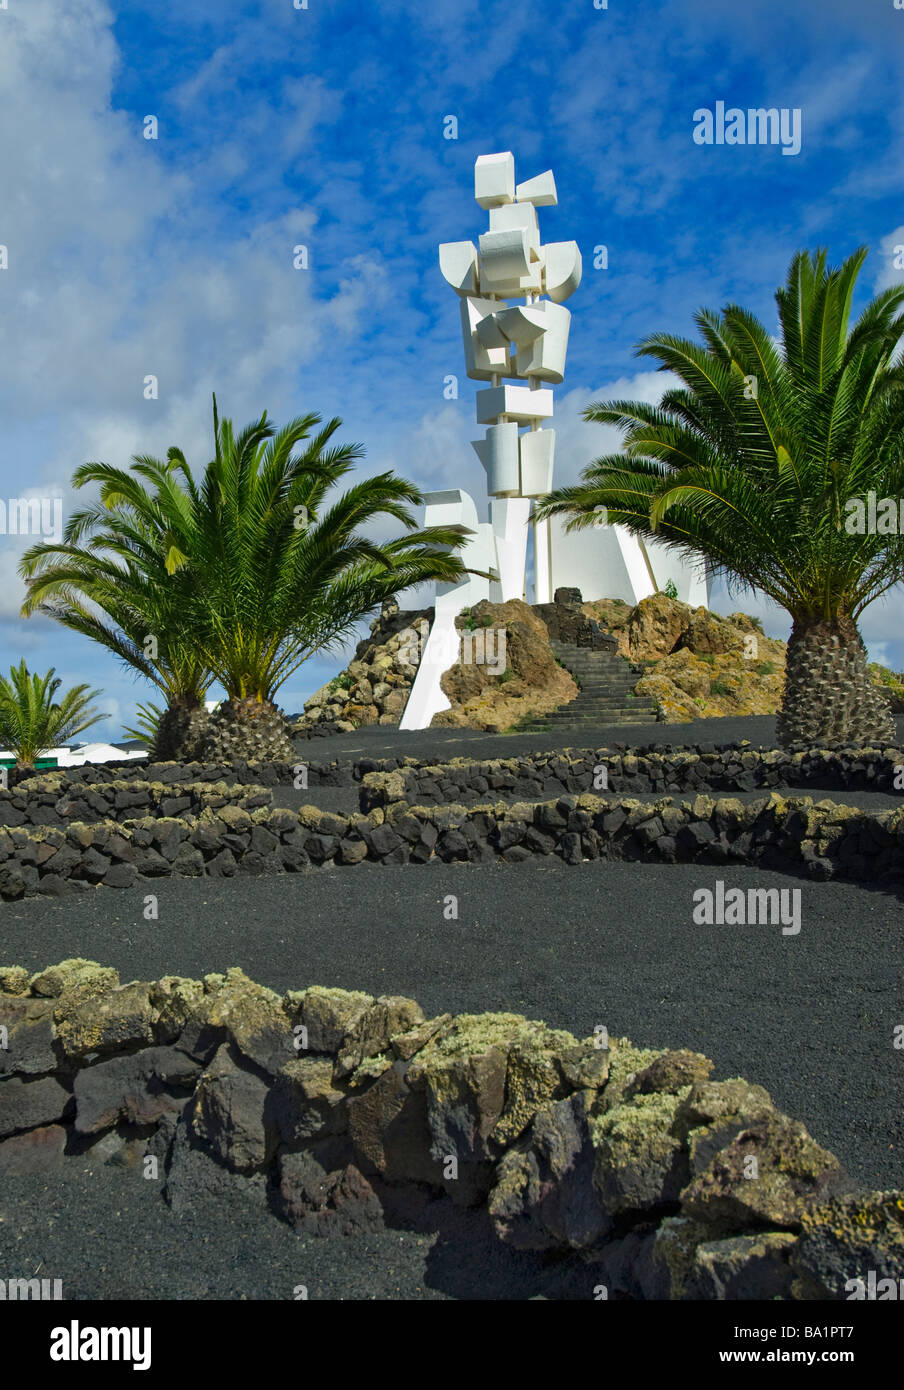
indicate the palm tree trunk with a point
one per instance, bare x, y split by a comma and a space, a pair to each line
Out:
829, 696
249, 730
181, 731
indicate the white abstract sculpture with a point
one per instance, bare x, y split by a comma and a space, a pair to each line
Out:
525, 341
528, 342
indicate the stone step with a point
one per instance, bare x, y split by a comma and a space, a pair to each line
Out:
605, 673
608, 697
594, 673
608, 716
602, 688
600, 711
608, 663
585, 654
624, 701
615, 665
606, 682
612, 716
621, 692
610, 702
584, 726
587, 726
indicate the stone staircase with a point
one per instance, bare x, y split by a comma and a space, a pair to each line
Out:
605, 681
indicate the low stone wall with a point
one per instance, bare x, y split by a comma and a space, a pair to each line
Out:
166, 774
324, 1103
650, 768
821, 840
60, 800
685, 770
272, 774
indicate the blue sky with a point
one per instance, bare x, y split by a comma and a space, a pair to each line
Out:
325, 126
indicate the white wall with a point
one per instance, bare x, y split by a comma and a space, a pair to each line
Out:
608, 562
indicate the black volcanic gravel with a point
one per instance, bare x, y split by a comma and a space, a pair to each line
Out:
810, 1017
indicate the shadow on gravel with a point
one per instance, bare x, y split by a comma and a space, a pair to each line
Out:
468, 1261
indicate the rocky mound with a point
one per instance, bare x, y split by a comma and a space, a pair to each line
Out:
322, 1103
699, 665
507, 671
374, 687
524, 680
892, 683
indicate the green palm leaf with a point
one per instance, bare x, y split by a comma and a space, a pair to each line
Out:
32, 720
748, 464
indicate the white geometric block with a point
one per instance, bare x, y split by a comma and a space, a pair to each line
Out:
489, 331
537, 449
482, 363
541, 191
510, 516
458, 264
601, 561
440, 649
519, 403
504, 257
512, 215
543, 589
563, 269
690, 578
544, 356
522, 323
532, 283
499, 455
494, 179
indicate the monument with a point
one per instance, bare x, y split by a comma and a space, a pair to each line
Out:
523, 343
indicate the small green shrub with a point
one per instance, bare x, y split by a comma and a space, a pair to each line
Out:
720, 688
472, 623
766, 668
883, 676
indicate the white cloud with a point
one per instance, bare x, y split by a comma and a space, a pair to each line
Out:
879, 651
122, 267
891, 250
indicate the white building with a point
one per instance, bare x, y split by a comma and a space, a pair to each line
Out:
79, 753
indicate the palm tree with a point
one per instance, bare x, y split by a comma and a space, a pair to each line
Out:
30, 721
118, 588
752, 463
146, 728
248, 571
